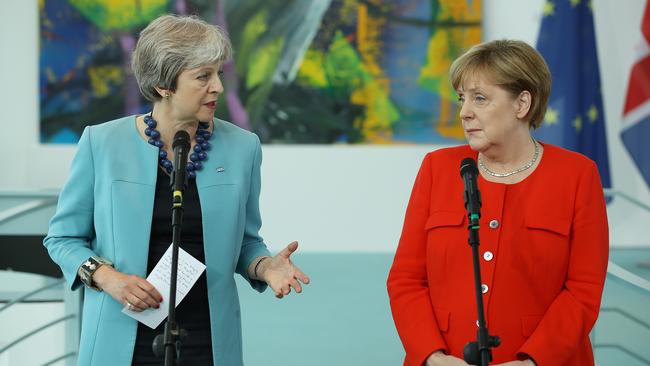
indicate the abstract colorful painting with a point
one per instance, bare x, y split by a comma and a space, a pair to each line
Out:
308, 72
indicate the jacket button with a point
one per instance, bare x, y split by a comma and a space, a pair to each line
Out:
484, 288
494, 224
488, 256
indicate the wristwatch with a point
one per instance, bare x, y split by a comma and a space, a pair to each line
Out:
89, 267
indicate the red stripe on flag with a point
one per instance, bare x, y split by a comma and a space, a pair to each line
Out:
638, 91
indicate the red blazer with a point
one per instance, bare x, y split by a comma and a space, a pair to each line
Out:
543, 251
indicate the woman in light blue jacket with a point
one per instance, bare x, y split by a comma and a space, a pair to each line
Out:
113, 220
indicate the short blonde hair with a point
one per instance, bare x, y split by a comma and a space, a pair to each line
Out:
171, 44
514, 66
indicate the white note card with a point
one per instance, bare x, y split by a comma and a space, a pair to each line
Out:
189, 270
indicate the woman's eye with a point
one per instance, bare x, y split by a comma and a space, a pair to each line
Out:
203, 77
480, 99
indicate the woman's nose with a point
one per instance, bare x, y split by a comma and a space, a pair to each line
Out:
465, 111
215, 85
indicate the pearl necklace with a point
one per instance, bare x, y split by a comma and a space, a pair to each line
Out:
196, 157
518, 170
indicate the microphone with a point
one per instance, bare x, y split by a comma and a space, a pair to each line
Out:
469, 172
181, 147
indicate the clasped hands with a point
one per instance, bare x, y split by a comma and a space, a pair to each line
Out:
438, 358
138, 294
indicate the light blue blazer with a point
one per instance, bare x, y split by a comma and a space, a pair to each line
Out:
106, 208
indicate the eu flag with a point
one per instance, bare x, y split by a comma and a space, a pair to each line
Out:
575, 118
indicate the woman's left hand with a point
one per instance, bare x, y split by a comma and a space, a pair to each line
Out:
281, 274
518, 363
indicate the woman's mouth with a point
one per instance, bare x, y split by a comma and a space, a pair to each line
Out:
211, 105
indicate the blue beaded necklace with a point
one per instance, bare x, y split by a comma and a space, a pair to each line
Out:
196, 157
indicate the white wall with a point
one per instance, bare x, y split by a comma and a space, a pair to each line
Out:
343, 198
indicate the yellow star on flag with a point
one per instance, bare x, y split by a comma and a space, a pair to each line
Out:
575, 3
549, 8
552, 116
592, 113
577, 123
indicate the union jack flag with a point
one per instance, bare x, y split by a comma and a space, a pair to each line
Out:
636, 112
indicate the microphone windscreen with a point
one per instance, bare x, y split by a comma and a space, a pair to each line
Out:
181, 138
468, 165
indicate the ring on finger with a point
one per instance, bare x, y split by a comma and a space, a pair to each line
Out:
129, 306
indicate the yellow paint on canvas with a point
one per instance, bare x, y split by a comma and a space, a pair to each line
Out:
119, 14
311, 69
262, 63
101, 78
253, 29
460, 10
369, 43
443, 47
380, 113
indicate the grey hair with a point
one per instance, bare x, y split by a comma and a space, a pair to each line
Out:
171, 44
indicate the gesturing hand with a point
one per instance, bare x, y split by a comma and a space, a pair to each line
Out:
281, 274
133, 291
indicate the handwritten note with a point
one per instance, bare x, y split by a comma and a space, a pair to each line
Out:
189, 270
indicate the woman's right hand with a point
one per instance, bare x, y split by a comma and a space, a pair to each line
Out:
438, 358
127, 289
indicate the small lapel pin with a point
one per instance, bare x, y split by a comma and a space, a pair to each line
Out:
220, 169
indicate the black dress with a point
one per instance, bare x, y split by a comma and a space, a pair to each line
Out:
192, 314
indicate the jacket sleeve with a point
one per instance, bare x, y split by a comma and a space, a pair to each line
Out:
71, 228
407, 284
568, 321
252, 244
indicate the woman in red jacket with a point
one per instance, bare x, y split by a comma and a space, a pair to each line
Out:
543, 233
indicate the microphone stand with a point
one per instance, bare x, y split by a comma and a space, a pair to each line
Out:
478, 352
173, 335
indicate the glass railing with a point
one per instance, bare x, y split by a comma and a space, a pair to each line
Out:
622, 334
30, 334
39, 316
